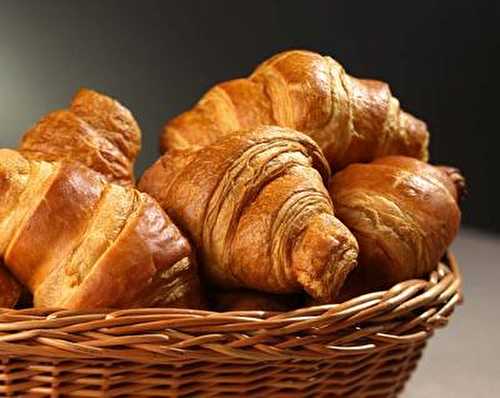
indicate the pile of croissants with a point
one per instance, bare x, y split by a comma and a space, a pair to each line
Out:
298, 185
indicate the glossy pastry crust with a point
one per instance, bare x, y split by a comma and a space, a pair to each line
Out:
352, 120
255, 205
404, 214
95, 130
77, 241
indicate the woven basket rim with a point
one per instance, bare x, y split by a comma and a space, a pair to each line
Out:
407, 313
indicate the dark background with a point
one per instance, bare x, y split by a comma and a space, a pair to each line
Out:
158, 57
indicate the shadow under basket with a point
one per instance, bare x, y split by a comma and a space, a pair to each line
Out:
365, 347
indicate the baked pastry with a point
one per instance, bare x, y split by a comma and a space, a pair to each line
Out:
404, 214
10, 289
255, 205
95, 130
77, 241
352, 120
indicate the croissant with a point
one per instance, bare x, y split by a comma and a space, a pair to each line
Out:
10, 290
77, 241
95, 130
352, 120
404, 214
255, 205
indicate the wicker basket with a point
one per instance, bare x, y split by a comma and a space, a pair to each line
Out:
366, 347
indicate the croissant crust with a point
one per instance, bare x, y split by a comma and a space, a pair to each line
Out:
77, 241
95, 130
404, 214
255, 205
352, 120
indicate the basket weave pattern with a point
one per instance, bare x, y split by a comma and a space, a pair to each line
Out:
366, 347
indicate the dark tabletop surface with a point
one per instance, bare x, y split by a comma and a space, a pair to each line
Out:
463, 359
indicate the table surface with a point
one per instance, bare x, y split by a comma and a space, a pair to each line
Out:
463, 359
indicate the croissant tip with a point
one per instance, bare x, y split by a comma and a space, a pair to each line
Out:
418, 131
332, 251
84, 92
458, 180
461, 186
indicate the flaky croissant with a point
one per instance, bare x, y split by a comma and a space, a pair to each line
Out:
95, 130
255, 205
352, 120
77, 241
404, 214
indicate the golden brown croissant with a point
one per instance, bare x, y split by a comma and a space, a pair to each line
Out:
404, 214
255, 205
352, 120
77, 241
95, 130
10, 290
